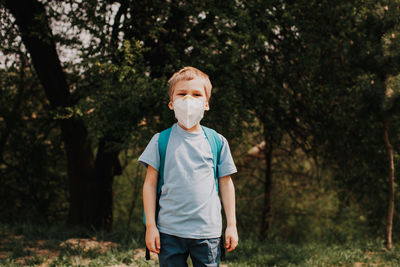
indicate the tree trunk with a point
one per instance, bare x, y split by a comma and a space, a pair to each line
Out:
389, 150
107, 166
88, 185
266, 209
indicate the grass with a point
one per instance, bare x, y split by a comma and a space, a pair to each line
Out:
57, 245
269, 253
34, 245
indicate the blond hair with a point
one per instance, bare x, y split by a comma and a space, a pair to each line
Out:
187, 74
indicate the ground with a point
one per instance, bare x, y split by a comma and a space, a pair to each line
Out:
58, 245
18, 250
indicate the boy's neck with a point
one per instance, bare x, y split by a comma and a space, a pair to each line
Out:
194, 129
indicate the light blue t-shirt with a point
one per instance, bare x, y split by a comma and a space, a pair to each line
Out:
189, 203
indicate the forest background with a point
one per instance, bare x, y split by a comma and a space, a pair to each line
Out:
306, 92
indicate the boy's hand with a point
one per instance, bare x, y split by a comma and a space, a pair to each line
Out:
231, 238
153, 239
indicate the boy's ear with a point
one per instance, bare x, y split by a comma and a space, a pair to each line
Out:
206, 106
171, 107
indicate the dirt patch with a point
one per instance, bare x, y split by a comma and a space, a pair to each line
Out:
361, 264
42, 252
89, 244
5, 254
33, 249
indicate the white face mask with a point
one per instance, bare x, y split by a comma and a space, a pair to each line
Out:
189, 111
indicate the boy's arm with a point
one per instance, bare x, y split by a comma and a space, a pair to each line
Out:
228, 200
149, 203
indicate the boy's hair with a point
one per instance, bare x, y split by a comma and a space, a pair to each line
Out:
187, 74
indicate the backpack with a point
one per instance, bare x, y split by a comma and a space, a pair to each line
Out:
215, 142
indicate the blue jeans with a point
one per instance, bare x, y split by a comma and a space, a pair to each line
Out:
175, 251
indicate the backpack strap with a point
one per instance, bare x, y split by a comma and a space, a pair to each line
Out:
162, 150
163, 139
216, 145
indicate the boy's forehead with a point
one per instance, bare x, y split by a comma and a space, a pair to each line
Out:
195, 84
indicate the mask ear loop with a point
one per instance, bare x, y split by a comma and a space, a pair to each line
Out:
206, 106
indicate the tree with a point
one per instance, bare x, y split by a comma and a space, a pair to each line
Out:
38, 39
381, 26
359, 57
90, 178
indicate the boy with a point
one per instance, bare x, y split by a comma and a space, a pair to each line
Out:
189, 218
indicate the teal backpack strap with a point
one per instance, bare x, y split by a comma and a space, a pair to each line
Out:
216, 145
162, 150
163, 139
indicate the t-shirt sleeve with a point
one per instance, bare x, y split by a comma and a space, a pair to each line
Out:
150, 155
226, 166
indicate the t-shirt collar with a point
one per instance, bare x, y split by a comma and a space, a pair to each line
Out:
187, 134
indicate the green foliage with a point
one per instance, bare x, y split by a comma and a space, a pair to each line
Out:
128, 208
124, 102
32, 164
306, 200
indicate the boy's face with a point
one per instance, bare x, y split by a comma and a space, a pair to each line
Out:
193, 88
